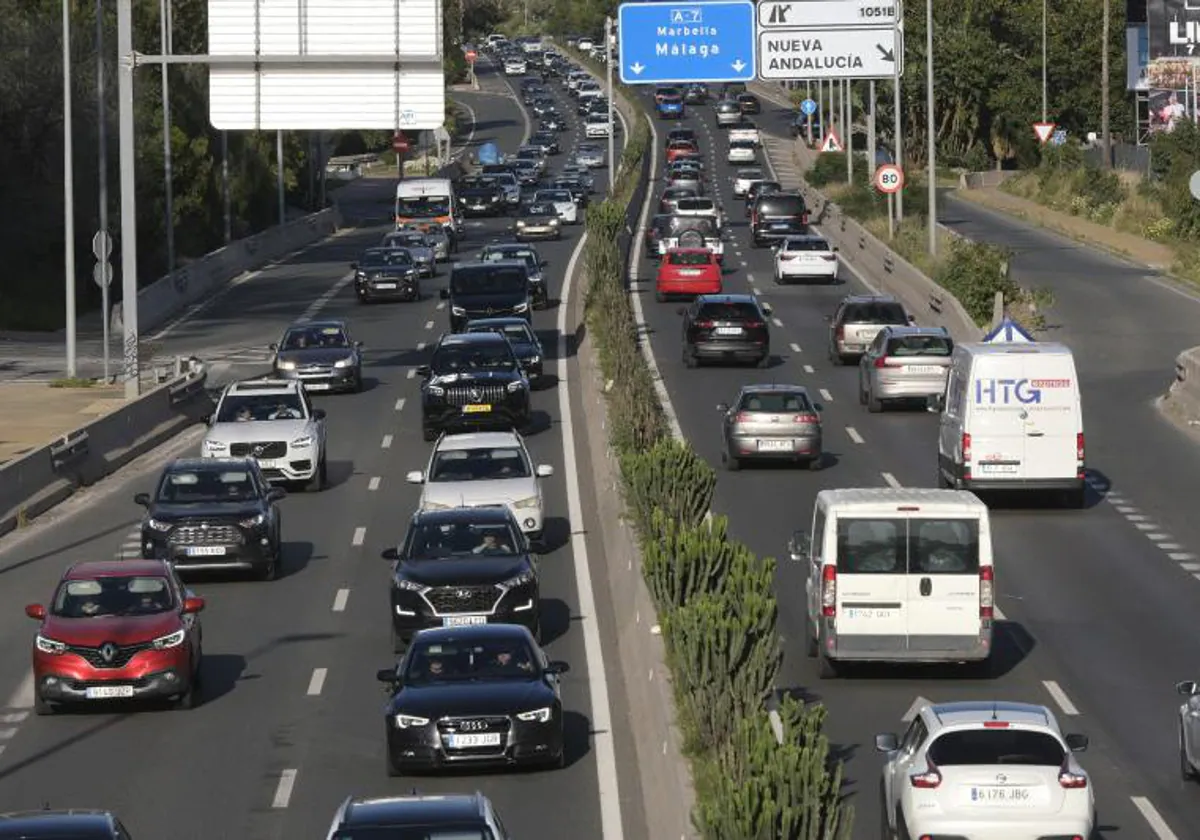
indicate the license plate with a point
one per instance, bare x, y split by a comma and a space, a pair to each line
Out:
1000, 795
316, 386
476, 409
690, 272
999, 469
268, 463
478, 739
463, 620
109, 692
780, 226
860, 612
385, 286
205, 550
775, 446
922, 368
729, 330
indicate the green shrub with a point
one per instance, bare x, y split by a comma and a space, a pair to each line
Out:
681, 564
670, 477
973, 272
830, 168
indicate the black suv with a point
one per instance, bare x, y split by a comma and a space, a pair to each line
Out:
76, 823
417, 816
776, 216
474, 380
481, 196
461, 567
214, 513
497, 289
726, 328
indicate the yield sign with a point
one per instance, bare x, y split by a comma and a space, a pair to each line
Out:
831, 143
1043, 130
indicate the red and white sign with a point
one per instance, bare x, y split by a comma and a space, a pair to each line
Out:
399, 144
1044, 131
471, 56
889, 179
831, 143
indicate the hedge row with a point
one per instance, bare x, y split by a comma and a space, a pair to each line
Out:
714, 597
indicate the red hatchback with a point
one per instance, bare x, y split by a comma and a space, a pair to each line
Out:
680, 149
688, 271
117, 630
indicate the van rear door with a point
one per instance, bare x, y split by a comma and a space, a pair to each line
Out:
942, 599
997, 397
871, 584
1054, 418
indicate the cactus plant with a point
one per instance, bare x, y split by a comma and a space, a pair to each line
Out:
671, 476
681, 563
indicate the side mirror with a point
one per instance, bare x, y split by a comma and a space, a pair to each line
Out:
557, 668
206, 419
276, 494
415, 477
544, 471
36, 611
819, 407
835, 249
937, 402
1187, 688
768, 309
193, 605
272, 346
545, 263
422, 370
358, 345
723, 407
354, 265
1077, 742
800, 546
142, 499
390, 554
887, 742
387, 675
318, 414
912, 319
444, 294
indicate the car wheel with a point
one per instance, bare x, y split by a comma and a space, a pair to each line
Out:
398, 644
765, 361
827, 669
689, 358
810, 643
874, 404
815, 464
190, 699
660, 297
269, 569
885, 827
416, 292
1075, 499
41, 706
317, 483
732, 462
862, 391
1186, 772
358, 383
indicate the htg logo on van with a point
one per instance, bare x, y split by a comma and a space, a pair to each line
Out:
1007, 392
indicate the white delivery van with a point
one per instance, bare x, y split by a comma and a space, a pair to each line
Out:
1011, 419
897, 575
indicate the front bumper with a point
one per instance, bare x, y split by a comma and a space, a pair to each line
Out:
297, 465
730, 350
251, 550
483, 208
327, 379
398, 289
523, 743
766, 448
548, 232
512, 414
411, 612
149, 675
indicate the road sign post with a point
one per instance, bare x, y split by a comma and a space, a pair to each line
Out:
400, 147
102, 248
698, 42
808, 107
889, 180
830, 39
1043, 131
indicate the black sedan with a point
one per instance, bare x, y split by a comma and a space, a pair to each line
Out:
470, 696
525, 344
322, 355
386, 274
553, 122
546, 141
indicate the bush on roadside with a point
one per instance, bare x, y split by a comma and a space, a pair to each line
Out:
973, 272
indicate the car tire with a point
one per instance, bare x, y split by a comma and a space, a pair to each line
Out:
731, 462
1187, 773
660, 297
816, 464
317, 483
811, 648
764, 362
269, 569
41, 706
827, 669
689, 357
874, 404
885, 827
1075, 499
398, 644
191, 698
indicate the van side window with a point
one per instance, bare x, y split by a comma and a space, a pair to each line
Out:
818, 534
954, 394
943, 546
872, 546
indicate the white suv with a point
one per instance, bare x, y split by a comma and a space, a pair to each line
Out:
596, 126
272, 421
485, 469
988, 771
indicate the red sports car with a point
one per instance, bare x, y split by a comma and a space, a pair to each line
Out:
688, 271
117, 630
681, 148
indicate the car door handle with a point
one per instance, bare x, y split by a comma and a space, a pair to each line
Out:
926, 587
1035, 434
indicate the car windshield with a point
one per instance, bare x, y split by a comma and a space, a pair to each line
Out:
781, 205
792, 402
703, 224
315, 338
750, 175
243, 407
765, 187
530, 258
432, 231
422, 206
447, 541
921, 345
448, 831
516, 333
729, 312
696, 205
742, 145
530, 154
490, 280
990, 747
206, 486
542, 209
492, 464
118, 595
384, 256
487, 659
875, 313
467, 358
589, 149
689, 258
806, 245
562, 196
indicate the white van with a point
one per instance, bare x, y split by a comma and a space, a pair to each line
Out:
429, 201
1012, 420
897, 575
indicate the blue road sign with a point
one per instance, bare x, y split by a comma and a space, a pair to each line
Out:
808, 107
687, 42
1059, 137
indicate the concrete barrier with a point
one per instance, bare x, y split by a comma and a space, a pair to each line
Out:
983, 180
37, 481
1182, 399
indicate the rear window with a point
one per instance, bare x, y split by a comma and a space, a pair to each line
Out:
729, 312
690, 259
727, 107
874, 313
807, 245
916, 546
920, 345
997, 746
781, 205
776, 403
696, 204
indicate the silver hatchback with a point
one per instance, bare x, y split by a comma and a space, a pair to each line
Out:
771, 423
904, 363
858, 321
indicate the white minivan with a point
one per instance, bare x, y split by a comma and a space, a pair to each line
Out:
897, 575
1011, 419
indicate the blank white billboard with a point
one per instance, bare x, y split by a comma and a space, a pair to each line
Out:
321, 97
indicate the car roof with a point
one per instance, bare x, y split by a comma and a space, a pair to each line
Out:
53, 823
970, 712
456, 339
901, 331
691, 251
465, 515
266, 386
499, 322
328, 323
773, 388
807, 237
870, 299
410, 810
114, 568
727, 299
478, 440
749, 172
473, 632
210, 463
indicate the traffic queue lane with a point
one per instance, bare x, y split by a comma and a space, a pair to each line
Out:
292, 720
1056, 645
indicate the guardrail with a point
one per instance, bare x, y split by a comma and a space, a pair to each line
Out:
1183, 397
39, 480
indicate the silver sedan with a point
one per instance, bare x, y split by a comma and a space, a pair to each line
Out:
904, 363
771, 423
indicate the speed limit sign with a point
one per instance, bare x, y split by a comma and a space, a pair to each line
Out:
889, 179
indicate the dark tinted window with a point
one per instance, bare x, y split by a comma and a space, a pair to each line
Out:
871, 546
776, 403
449, 831
874, 313
917, 546
696, 204
689, 258
781, 205
207, 485
698, 223
729, 311
920, 345
487, 659
996, 746
943, 546
473, 357
489, 280
385, 256
515, 333
807, 245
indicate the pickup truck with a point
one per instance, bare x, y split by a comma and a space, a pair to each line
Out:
698, 207
692, 232
745, 131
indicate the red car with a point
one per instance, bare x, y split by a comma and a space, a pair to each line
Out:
688, 271
125, 629
681, 148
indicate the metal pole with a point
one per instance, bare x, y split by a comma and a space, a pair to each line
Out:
612, 138
808, 95
1045, 70
128, 160
1105, 86
279, 177
68, 188
872, 158
102, 176
929, 127
164, 13
226, 197
849, 109
898, 139
891, 216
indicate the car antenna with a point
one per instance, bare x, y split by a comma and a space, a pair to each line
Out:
995, 711
46, 805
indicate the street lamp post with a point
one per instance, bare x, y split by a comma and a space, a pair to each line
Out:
929, 127
68, 188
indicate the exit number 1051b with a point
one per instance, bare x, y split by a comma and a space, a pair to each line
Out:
872, 12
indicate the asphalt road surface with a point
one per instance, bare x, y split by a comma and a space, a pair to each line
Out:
292, 720
1098, 616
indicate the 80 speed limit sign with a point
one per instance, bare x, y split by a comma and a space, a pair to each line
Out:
889, 179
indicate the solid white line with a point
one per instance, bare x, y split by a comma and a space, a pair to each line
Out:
1060, 697
809, 369
777, 322
386, 443
1157, 824
340, 599
891, 480
429, 325
825, 395
14, 717
400, 404
373, 484
283, 792
360, 534
317, 682
22, 696
854, 435
795, 347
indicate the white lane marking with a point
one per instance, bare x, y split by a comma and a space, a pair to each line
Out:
1158, 537
809, 369
340, 599
420, 346
373, 484
429, 325
891, 480
320, 303
750, 279
441, 305
743, 263
999, 616
1180, 556
360, 534
400, 404
1060, 697
1125, 509
8, 733
1145, 526
14, 717
1157, 824
1138, 517
854, 435
825, 395
386, 443
777, 322
317, 681
795, 347
22, 696
283, 791
412, 373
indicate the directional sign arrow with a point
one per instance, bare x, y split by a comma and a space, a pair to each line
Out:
637, 68
739, 66
914, 709
888, 55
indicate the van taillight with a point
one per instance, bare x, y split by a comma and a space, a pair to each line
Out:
1079, 459
987, 593
803, 218
928, 780
881, 362
966, 455
840, 333
829, 591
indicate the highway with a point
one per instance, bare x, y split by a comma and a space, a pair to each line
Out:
292, 720
1097, 621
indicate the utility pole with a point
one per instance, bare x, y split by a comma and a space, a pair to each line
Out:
612, 134
929, 128
226, 198
1045, 89
127, 153
848, 121
165, 28
871, 156
898, 128
102, 174
279, 177
1104, 89
68, 188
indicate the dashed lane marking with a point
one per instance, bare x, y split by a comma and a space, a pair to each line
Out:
777, 322
412, 373
441, 305
1060, 697
360, 535
386, 443
340, 599
429, 325
283, 790
373, 484
795, 347
1157, 824
421, 346
809, 369
854, 435
825, 395
317, 681
891, 480
400, 404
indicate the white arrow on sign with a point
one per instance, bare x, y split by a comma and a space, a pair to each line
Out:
739, 66
915, 708
637, 67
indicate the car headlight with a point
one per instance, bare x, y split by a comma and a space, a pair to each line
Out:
533, 360
410, 586
302, 442
46, 645
522, 579
518, 385
258, 519
156, 525
344, 363
554, 223
286, 365
457, 310
409, 721
435, 390
521, 307
171, 640
541, 715
520, 223
531, 502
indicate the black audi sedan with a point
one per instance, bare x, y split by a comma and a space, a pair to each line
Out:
213, 513
386, 274
460, 568
322, 355
75, 823
465, 696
